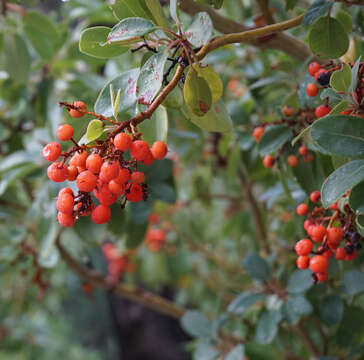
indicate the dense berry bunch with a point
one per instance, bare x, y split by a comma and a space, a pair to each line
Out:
330, 233
105, 172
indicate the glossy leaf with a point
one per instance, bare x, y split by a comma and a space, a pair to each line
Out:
237, 353
91, 41
333, 96
340, 134
273, 138
196, 324
156, 11
345, 19
341, 180
354, 75
300, 281
267, 327
130, 30
340, 80
331, 309
200, 30
256, 267
300, 305
244, 301
48, 255
156, 128
356, 198
95, 129
327, 38
150, 78
317, 9
174, 99
339, 107
213, 81
128, 8
127, 83
353, 282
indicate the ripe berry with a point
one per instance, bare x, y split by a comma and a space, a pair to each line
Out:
322, 110
122, 141
65, 203
311, 89
149, 159
72, 173
303, 247
65, 132
319, 264
134, 193
350, 257
57, 173
322, 276
52, 151
292, 160
86, 181
318, 233
137, 177
323, 78
268, 161
327, 254
318, 73
346, 112
307, 223
79, 159
303, 262
158, 235
313, 68
116, 188
258, 133
76, 113
65, 190
94, 163
123, 176
335, 234
104, 195
109, 171
101, 214
340, 253
315, 196
334, 206
308, 158
65, 220
139, 150
288, 110
302, 209
159, 150
303, 150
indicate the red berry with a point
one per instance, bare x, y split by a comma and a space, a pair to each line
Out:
311, 89
340, 253
308, 158
322, 110
268, 161
110, 251
318, 233
303, 150
303, 262
149, 159
65, 190
65, 203
303, 247
139, 150
319, 264
116, 188
335, 234
302, 209
104, 195
318, 73
65, 132
122, 141
134, 193
153, 218
322, 276
307, 223
315, 196
72, 173
137, 177
76, 113
79, 160
313, 68
288, 110
123, 176
258, 133
57, 173
158, 235
327, 254
86, 181
52, 151
109, 171
350, 257
292, 161
159, 150
346, 112
94, 163
65, 220
334, 206
101, 214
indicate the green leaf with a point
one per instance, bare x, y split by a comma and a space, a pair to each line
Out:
359, 222
345, 20
351, 327
91, 41
216, 120
156, 12
354, 75
301, 134
353, 282
331, 309
17, 158
237, 353
196, 324
340, 134
305, 175
205, 350
341, 180
213, 81
300, 281
130, 30
300, 305
333, 96
197, 93
356, 198
327, 38
339, 107
267, 327
155, 128
290, 4
200, 30
244, 301
94, 130
48, 255
128, 8
15, 58
174, 99
317, 9
273, 138
256, 267
150, 78
13, 175
173, 10
163, 192
340, 80
127, 83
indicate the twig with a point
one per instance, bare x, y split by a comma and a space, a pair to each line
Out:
264, 7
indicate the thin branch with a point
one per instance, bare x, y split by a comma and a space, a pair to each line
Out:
264, 7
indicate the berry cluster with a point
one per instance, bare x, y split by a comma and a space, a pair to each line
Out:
104, 170
328, 229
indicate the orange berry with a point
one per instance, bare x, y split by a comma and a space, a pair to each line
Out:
315, 196
65, 132
303, 247
258, 133
313, 68
104, 195
322, 110
303, 262
335, 234
340, 253
268, 161
109, 171
311, 90
318, 233
65, 203
137, 177
101, 214
79, 159
116, 188
134, 193
94, 163
322, 276
149, 159
122, 141
159, 150
72, 173
139, 150
86, 181
76, 113
123, 176
65, 220
302, 209
303, 150
308, 158
288, 110
57, 173
292, 160
319, 264
52, 151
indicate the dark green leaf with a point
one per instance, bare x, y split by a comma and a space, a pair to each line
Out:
128, 8
356, 198
256, 267
339, 107
196, 324
244, 301
340, 80
354, 75
237, 353
267, 327
345, 20
174, 99
300, 305
317, 9
299, 282
333, 96
156, 128
273, 138
200, 31
155, 9
353, 282
331, 309
351, 327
